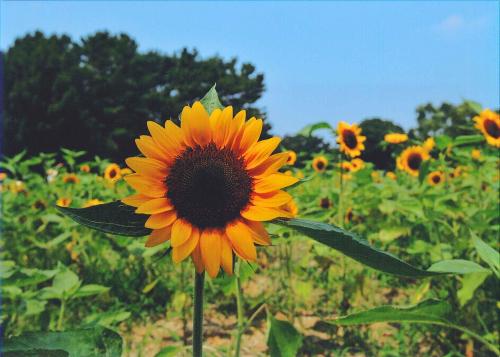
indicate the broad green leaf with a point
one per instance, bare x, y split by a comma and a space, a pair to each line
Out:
34, 307
468, 139
354, 247
442, 141
389, 234
475, 106
106, 319
489, 255
211, 101
7, 269
283, 339
66, 281
89, 290
87, 342
310, 129
26, 277
470, 283
457, 266
114, 217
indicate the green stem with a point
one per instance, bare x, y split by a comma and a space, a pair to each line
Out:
240, 312
61, 315
477, 337
199, 281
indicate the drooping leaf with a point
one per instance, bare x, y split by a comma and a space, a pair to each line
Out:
310, 129
475, 106
114, 217
467, 139
457, 266
211, 100
489, 255
283, 339
470, 283
89, 290
88, 342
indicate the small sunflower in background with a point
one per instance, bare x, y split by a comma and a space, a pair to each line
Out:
350, 139
488, 122
375, 175
63, 202
92, 202
85, 168
395, 138
411, 159
391, 175
349, 215
292, 158
457, 172
112, 173
208, 185
435, 178
357, 164
320, 163
3, 176
325, 203
71, 178
429, 144
475, 154
346, 166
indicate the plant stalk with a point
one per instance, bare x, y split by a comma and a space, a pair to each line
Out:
199, 281
61, 315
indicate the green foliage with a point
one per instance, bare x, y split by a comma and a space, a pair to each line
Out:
306, 146
283, 339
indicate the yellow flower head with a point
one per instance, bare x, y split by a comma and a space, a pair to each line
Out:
391, 175
357, 164
350, 139
320, 163
92, 202
325, 203
3, 176
429, 144
435, 178
346, 166
395, 138
208, 185
112, 173
71, 178
85, 168
411, 159
292, 157
63, 202
488, 122
375, 175
475, 154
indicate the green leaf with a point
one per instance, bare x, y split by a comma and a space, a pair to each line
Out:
114, 217
26, 277
89, 290
310, 129
66, 281
389, 234
106, 319
468, 139
354, 247
489, 255
457, 266
470, 283
170, 351
88, 342
442, 141
211, 100
34, 307
475, 106
283, 339
424, 170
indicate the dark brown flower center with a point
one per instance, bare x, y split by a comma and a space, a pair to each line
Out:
208, 186
414, 161
320, 165
492, 128
350, 139
436, 178
325, 203
112, 173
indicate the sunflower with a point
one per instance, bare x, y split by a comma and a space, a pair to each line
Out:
395, 138
319, 163
85, 168
435, 178
63, 202
208, 186
71, 178
350, 139
357, 164
3, 176
292, 157
391, 175
411, 159
325, 203
112, 173
92, 202
475, 154
429, 144
346, 166
375, 175
488, 122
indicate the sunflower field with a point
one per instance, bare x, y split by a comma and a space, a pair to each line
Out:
331, 271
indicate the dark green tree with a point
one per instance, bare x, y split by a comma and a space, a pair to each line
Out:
305, 146
375, 151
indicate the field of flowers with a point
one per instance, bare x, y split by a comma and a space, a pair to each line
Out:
439, 205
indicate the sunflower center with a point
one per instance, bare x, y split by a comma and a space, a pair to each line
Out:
414, 161
436, 178
208, 186
350, 139
492, 128
112, 173
320, 165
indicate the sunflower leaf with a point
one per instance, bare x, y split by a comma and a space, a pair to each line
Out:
211, 100
355, 247
114, 217
310, 129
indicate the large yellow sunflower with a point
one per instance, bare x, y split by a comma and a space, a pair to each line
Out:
395, 138
488, 122
411, 159
208, 186
350, 139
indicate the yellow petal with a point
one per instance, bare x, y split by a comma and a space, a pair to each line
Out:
181, 231
274, 182
259, 233
270, 166
235, 128
213, 119
158, 236
256, 213
156, 205
271, 199
145, 185
147, 166
136, 200
251, 135
183, 251
162, 139
222, 127
210, 251
174, 134
226, 257
149, 148
197, 261
161, 220
241, 240
258, 153
185, 126
200, 125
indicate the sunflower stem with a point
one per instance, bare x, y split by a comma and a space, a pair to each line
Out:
199, 281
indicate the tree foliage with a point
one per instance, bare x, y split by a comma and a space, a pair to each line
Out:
97, 94
306, 146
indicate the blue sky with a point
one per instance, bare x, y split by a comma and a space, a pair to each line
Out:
323, 61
